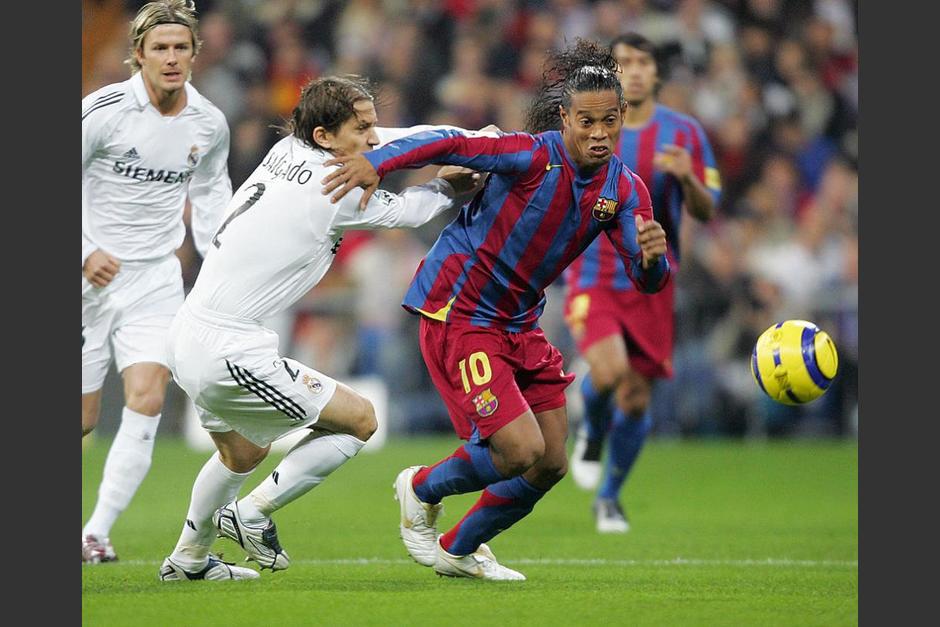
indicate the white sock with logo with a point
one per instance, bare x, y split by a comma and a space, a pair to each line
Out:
304, 467
215, 485
124, 470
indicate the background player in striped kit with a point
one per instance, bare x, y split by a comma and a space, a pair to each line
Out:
480, 292
147, 143
626, 336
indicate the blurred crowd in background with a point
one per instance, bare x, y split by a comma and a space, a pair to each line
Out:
773, 82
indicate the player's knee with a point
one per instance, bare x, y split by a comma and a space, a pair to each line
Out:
520, 458
639, 402
365, 423
608, 376
632, 400
259, 455
89, 420
146, 401
551, 471
243, 459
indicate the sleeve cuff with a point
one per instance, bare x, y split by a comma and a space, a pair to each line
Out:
443, 186
87, 248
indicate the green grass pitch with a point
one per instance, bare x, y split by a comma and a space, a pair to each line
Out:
723, 533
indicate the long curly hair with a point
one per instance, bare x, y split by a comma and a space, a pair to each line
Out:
586, 66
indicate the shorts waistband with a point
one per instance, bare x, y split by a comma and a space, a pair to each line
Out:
220, 320
140, 264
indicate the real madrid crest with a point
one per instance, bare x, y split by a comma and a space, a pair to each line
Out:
313, 384
193, 157
604, 209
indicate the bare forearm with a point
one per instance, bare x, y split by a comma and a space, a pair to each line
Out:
698, 200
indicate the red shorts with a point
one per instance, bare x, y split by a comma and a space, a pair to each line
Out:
489, 377
644, 320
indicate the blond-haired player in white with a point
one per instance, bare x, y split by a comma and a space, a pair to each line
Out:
277, 240
147, 143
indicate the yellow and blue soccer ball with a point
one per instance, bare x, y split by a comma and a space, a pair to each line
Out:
794, 362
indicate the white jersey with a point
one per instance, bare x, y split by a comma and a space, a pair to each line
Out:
138, 167
281, 233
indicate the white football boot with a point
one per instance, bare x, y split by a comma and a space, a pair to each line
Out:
260, 542
96, 550
481, 564
418, 521
215, 570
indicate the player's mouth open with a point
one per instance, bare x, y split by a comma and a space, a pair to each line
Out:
599, 151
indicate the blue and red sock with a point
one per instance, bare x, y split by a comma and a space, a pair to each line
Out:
598, 408
500, 506
468, 469
626, 440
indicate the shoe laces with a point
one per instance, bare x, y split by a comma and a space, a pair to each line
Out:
218, 558
432, 512
269, 536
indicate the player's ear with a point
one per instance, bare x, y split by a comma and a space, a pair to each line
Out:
322, 138
563, 114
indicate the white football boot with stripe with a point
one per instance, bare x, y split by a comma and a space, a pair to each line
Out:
418, 521
260, 542
481, 564
215, 570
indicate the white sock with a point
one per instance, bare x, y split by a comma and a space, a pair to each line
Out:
304, 467
215, 486
124, 470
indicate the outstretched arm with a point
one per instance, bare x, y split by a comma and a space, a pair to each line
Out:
485, 151
413, 207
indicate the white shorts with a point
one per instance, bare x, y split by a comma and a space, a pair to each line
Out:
132, 313
231, 370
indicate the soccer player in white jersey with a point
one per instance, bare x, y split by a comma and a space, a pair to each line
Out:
277, 240
147, 143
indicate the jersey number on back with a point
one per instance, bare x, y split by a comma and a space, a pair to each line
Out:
245, 206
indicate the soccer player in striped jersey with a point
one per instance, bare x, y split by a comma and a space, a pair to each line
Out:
626, 336
480, 292
148, 143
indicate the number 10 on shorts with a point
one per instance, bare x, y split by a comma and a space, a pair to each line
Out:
479, 368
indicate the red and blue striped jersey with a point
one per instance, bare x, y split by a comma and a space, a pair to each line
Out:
637, 147
534, 216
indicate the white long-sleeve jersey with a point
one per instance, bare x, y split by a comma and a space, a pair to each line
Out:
280, 233
138, 167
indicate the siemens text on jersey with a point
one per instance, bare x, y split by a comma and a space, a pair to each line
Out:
149, 174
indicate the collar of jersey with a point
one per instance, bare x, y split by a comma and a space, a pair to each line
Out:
193, 98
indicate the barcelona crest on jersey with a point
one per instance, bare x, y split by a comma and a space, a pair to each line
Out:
604, 209
485, 403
